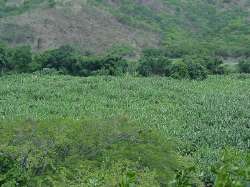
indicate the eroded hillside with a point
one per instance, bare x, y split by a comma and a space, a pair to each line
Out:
96, 25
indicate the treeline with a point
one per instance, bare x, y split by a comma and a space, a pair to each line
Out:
67, 60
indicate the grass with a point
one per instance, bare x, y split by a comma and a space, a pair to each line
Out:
204, 116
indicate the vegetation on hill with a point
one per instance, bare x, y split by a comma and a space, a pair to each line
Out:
190, 26
183, 27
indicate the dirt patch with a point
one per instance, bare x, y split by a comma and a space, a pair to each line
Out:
82, 25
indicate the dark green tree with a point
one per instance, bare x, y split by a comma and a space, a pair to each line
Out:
3, 59
154, 62
244, 66
21, 59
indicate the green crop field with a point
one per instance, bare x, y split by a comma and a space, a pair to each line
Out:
205, 115
202, 118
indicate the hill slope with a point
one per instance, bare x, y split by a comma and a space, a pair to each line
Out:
185, 25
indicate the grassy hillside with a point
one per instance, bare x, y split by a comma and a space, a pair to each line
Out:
189, 26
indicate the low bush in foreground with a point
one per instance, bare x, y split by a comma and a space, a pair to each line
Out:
233, 169
111, 153
88, 153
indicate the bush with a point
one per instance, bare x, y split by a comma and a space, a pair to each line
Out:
154, 64
114, 65
3, 59
59, 59
114, 153
197, 71
233, 169
214, 65
18, 59
21, 59
67, 60
244, 66
154, 52
179, 70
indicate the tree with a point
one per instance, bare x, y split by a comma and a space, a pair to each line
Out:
154, 62
21, 58
3, 58
179, 70
197, 71
244, 66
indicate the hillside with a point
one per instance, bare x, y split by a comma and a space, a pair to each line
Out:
96, 25
145, 93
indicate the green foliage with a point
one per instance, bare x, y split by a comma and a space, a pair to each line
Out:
195, 68
66, 60
185, 28
69, 153
155, 62
3, 58
51, 3
197, 71
214, 65
17, 59
188, 27
57, 58
179, 70
154, 65
233, 169
204, 115
21, 59
18, 7
244, 66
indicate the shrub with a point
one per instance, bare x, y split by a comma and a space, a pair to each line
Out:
114, 153
114, 65
51, 3
154, 65
68, 61
154, 52
3, 59
244, 66
179, 69
57, 58
214, 65
21, 59
233, 169
16, 59
197, 71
